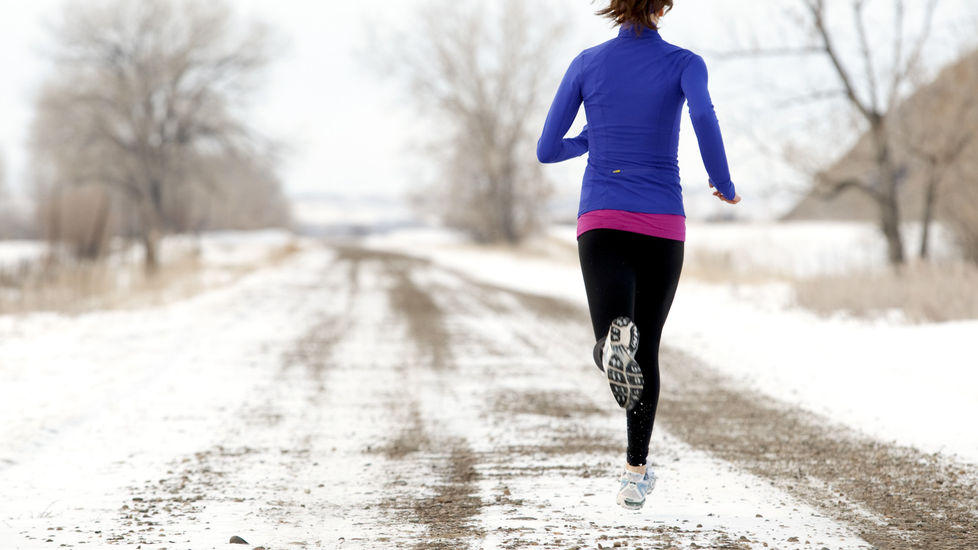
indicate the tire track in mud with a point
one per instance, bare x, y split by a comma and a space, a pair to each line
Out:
286, 447
447, 505
914, 499
450, 507
424, 318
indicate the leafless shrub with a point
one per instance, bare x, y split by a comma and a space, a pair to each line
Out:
15, 221
233, 193
80, 218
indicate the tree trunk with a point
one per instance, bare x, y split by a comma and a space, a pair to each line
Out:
930, 202
507, 214
888, 197
890, 224
150, 223
98, 237
151, 245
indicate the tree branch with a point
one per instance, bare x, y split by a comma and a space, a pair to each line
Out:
831, 189
817, 11
858, 7
902, 73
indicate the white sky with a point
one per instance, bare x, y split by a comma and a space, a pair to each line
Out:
347, 128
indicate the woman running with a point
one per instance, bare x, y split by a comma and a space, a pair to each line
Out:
631, 223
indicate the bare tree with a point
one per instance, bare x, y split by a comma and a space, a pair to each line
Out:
141, 92
874, 95
937, 127
871, 73
474, 69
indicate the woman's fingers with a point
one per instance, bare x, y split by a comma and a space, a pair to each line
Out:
735, 200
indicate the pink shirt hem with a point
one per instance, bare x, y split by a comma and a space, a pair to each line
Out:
666, 226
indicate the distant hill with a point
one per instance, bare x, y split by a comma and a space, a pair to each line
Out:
934, 112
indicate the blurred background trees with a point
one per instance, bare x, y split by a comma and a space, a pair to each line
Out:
914, 125
13, 222
872, 69
141, 127
477, 71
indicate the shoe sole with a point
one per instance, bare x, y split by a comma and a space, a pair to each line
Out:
634, 505
630, 505
618, 358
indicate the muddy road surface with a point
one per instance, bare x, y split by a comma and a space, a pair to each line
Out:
418, 408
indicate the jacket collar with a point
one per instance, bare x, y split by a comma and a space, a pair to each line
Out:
627, 30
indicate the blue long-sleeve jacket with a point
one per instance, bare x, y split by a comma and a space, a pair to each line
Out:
633, 88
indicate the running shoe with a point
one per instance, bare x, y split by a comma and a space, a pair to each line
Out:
618, 359
634, 488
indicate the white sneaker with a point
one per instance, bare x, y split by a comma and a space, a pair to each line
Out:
618, 359
634, 488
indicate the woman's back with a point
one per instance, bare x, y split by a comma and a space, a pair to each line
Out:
633, 88
631, 92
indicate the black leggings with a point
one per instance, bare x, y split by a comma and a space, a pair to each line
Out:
633, 275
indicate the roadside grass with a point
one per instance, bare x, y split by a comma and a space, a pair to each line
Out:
921, 292
724, 267
64, 285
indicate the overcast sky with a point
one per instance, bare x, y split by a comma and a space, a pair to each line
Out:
347, 128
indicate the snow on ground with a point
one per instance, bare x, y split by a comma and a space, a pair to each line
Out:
92, 403
13, 253
698, 495
183, 415
242, 410
909, 384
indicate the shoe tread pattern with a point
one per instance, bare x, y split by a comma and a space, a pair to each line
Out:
624, 374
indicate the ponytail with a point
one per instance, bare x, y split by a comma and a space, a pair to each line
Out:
638, 13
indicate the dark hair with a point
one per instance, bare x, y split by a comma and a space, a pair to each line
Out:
637, 13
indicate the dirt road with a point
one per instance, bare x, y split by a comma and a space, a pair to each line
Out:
424, 409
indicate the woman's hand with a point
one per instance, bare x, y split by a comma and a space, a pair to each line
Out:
720, 196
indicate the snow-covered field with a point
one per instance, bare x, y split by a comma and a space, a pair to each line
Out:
412, 389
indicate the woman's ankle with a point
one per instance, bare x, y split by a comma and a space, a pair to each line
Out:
636, 469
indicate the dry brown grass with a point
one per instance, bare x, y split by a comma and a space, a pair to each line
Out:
72, 287
711, 266
922, 292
